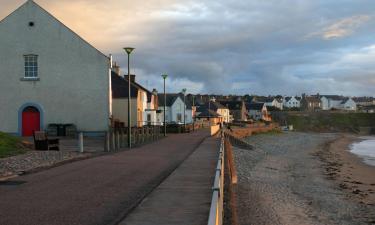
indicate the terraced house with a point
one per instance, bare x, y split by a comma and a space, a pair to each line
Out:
50, 75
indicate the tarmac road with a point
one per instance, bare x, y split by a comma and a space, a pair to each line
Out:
100, 190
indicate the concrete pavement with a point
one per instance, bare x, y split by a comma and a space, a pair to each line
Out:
184, 198
100, 190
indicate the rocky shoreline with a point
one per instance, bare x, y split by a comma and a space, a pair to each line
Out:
288, 179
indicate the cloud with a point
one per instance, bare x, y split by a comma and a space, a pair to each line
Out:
231, 46
341, 28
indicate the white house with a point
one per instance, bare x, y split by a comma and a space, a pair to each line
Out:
292, 102
50, 75
329, 102
258, 111
270, 101
174, 109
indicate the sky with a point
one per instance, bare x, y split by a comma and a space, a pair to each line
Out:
271, 47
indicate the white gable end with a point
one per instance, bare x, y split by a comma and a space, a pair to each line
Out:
73, 79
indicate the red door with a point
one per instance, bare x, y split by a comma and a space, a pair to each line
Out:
30, 121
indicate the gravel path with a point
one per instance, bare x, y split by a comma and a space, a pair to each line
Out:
283, 182
34, 160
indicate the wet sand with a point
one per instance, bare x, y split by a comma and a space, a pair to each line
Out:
294, 178
348, 170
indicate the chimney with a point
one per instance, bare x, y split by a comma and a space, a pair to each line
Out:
116, 68
155, 92
132, 78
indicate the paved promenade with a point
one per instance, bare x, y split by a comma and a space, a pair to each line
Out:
185, 196
100, 190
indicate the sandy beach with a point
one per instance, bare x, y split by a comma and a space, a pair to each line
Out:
303, 178
348, 170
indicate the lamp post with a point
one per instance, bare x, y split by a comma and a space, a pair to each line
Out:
194, 113
164, 76
129, 50
184, 92
209, 108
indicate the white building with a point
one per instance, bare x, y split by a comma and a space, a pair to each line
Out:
258, 111
50, 75
292, 102
174, 109
329, 102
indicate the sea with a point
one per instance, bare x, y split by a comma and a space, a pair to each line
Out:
365, 149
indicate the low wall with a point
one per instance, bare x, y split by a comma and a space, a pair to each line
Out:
248, 131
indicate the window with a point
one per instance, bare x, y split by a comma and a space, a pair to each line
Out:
31, 66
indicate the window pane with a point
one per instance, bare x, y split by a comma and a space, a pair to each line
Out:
31, 65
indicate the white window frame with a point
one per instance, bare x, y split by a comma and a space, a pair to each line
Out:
31, 66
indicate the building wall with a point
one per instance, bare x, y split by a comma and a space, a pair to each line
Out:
120, 110
74, 77
178, 108
225, 114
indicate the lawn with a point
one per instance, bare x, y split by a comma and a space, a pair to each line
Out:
10, 145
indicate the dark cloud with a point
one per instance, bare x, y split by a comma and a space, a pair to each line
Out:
233, 46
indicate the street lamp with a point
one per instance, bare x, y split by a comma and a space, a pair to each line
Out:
194, 112
184, 92
164, 76
129, 50
209, 108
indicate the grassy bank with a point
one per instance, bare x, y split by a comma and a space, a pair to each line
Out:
346, 122
10, 145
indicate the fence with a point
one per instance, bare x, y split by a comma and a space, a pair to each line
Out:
117, 137
217, 203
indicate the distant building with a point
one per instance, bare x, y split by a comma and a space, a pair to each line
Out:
329, 102
364, 101
258, 111
144, 104
236, 108
219, 109
269, 101
174, 109
292, 102
310, 103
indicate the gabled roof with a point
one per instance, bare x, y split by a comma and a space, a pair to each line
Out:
31, 3
171, 98
149, 93
311, 99
120, 87
333, 97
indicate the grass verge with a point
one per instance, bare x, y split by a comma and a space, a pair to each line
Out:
10, 145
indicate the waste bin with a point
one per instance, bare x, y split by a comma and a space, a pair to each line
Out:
70, 130
52, 129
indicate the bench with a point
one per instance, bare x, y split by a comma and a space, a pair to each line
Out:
41, 141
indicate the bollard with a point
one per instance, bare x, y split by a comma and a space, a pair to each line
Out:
113, 140
81, 142
106, 144
117, 140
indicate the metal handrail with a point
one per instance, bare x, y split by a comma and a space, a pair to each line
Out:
216, 209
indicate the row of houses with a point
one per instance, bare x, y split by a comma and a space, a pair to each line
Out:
315, 102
